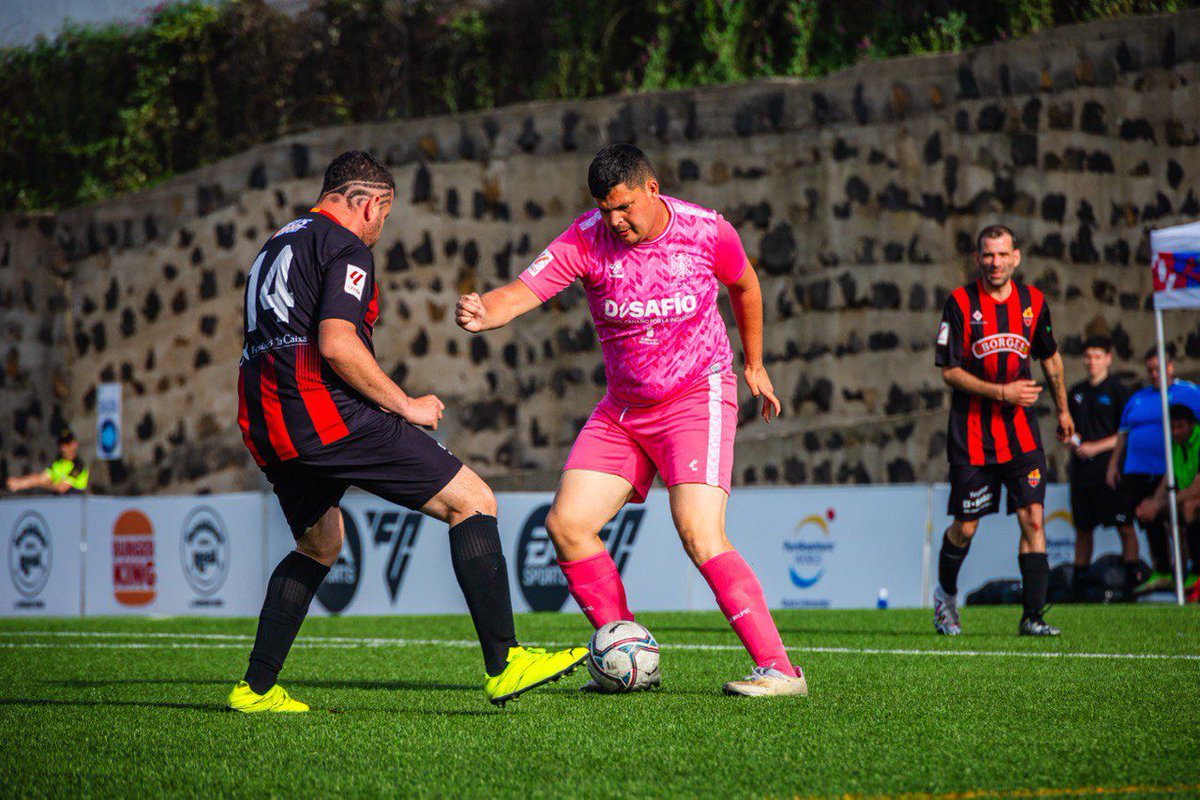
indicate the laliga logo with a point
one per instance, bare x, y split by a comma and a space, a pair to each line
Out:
808, 554
1001, 343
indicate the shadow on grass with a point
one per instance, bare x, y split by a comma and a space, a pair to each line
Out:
315, 683
810, 633
19, 701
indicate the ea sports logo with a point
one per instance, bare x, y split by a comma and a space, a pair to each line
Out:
134, 577
204, 549
30, 554
339, 586
541, 580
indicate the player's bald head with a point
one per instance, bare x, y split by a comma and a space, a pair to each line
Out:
357, 174
618, 164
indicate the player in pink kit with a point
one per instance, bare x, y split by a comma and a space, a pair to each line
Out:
652, 267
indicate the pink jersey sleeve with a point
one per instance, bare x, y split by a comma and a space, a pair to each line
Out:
729, 257
558, 265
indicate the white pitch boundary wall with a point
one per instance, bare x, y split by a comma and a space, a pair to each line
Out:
211, 555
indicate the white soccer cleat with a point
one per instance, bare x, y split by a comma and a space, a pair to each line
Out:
945, 613
768, 682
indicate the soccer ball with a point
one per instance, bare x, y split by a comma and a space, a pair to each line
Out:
623, 657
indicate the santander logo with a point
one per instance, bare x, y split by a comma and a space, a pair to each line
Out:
1001, 343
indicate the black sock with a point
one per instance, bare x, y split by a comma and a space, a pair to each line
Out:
1035, 578
289, 591
482, 575
950, 561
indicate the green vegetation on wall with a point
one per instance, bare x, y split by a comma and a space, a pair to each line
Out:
100, 111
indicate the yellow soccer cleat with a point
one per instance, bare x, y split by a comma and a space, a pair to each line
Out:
246, 700
530, 667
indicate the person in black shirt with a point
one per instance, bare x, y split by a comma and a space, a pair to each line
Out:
1096, 405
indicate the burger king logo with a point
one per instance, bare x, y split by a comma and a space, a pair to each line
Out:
134, 578
1001, 343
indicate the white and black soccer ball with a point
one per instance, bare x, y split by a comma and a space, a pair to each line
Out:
623, 657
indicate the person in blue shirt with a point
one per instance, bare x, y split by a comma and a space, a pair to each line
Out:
1138, 463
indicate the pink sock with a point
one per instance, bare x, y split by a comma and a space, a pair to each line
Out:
596, 586
741, 599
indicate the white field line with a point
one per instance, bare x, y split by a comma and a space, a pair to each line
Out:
230, 640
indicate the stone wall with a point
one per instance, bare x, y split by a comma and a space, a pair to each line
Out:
857, 196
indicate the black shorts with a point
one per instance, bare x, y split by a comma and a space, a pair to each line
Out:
975, 490
1095, 507
384, 455
1131, 491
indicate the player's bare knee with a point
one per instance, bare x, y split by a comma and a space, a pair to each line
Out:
961, 531
701, 544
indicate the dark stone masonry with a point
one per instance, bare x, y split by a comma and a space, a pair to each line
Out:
857, 196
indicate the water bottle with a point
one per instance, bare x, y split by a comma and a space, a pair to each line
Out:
882, 601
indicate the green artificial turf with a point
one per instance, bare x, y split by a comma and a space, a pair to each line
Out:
127, 713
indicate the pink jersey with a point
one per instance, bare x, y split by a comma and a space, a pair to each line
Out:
654, 304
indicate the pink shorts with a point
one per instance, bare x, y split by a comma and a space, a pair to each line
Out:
689, 438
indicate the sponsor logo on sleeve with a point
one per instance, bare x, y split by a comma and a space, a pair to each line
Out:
539, 263
1001, 343
356, 279
944, 334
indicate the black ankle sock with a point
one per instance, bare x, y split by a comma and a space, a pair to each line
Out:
482, 575
289, 592
950, 561
1035, 578
1079, 576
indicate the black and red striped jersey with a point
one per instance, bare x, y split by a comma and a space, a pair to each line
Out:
995, 341
290, 401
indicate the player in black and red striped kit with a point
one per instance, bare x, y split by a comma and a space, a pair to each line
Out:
319, 415
990, 331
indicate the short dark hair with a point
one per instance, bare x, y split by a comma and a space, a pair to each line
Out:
66, 436
357, 173
1180, 411
617, 164
1153, 352
1099, 342
995, 232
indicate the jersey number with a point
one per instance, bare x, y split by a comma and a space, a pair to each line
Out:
274, 294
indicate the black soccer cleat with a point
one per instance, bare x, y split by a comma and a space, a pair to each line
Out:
1036, 626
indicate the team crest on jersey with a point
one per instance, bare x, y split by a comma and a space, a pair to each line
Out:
1001, 343
1034, 478
356, 279
616, 270
681, 265
292, 227
1027, 315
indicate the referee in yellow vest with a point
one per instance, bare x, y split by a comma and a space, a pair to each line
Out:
67, 474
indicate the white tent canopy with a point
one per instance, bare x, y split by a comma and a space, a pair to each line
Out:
1175, 267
